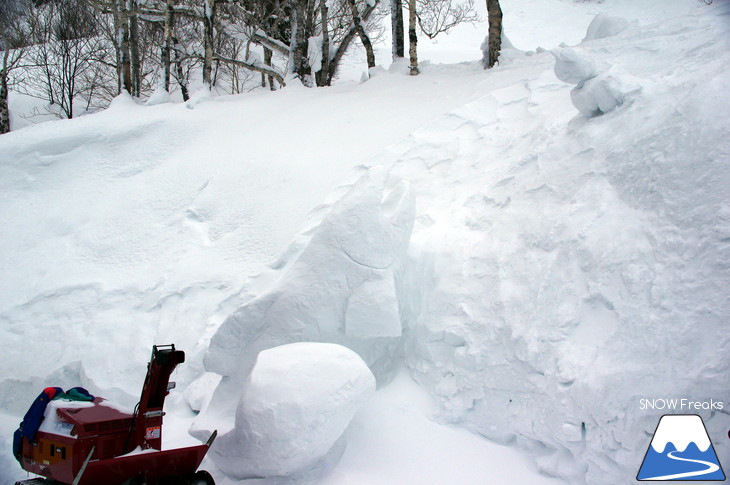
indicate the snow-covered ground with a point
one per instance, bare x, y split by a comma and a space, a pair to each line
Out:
560, 268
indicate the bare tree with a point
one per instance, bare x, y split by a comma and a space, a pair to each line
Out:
13, 40
67, 44
11, 59
440, 16
360, 29
434, 17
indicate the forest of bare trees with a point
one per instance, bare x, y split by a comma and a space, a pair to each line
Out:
79, 54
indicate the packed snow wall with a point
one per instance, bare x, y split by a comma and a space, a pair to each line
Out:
566, 265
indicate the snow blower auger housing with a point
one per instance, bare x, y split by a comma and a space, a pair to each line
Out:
79, 439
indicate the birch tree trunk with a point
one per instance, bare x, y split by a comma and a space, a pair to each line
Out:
268, 58
321, 75
396, 22
357, 21
168, 43
4, 111
208, 40
299, 43
134, 60
124, 65
412, 37
181, 80
494, 12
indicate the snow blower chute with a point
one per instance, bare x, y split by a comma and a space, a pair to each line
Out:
74, 438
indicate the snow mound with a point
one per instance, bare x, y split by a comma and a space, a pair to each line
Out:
159, 96
604, 25
295, 405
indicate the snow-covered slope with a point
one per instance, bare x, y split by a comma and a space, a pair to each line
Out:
560, 268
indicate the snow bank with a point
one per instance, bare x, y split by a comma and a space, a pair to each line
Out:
295, 405
569, 268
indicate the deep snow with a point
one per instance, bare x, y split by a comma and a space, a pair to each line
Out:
560, 268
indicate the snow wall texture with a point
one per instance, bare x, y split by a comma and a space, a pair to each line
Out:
569, 265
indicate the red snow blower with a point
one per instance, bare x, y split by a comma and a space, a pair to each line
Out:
80, 439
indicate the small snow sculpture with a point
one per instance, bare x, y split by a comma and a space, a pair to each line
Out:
295, 405
594, 94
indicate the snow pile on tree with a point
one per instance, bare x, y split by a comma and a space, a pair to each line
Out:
294, 407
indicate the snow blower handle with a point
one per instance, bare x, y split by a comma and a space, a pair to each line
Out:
148, 418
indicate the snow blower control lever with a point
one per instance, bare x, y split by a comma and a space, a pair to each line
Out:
74, 438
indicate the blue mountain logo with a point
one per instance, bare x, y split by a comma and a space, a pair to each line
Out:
681, 450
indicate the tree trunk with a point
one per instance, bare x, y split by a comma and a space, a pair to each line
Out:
345, 44
299, 44
396, 21
135, 64
208, 40
412, 37
180, 72
4, 110
167, 45
124, 66
494, 11
357, 21
321, 75
268, 56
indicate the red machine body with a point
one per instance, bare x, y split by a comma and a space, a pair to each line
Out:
97, 443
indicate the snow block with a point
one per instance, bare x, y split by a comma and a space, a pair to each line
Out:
295, 405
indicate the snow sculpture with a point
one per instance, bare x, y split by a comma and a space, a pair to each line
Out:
595, 94
295, 405
342, 287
